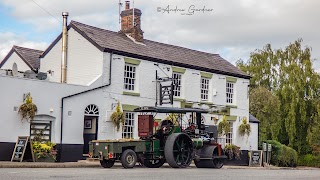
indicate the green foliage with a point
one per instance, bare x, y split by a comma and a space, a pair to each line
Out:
117, 117
282, 155
266, 107
223, 126
244, 128
28, 110
289, 75
232, 151
44, 149
309, 160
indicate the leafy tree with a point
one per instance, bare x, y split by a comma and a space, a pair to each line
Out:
289, 75
266, 107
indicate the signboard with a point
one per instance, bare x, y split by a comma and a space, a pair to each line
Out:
269, 147
22, 150
255, 158
264, 146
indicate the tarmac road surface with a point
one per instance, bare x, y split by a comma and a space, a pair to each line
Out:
164, 173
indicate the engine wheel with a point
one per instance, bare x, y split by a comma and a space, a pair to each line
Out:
178, 150
128, 158
107, 163
154, 163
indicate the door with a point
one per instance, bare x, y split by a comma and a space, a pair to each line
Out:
89, 132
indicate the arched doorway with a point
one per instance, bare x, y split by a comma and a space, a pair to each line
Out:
90, 126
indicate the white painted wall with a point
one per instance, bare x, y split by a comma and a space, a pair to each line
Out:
14, 58
46, 95
84, 61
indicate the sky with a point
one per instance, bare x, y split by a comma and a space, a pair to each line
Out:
231, 28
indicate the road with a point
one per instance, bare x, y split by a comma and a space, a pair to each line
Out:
164, 173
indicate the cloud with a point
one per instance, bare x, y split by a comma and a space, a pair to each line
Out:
8, 39
233, 29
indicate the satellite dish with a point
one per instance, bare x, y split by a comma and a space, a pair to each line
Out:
14, 69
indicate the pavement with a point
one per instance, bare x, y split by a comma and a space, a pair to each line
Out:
94, 164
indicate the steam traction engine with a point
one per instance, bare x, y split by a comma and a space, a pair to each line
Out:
168, 143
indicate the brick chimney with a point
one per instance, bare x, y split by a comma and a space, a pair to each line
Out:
127, 25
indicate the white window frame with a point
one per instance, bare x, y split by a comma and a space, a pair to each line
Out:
177, 82
128, 127
229, 135
230, 92
204, 88
130, 77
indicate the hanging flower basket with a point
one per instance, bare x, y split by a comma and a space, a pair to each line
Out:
28, 110
117, 117
244, 128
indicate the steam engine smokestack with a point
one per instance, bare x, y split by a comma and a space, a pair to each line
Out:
127, 5
64, 48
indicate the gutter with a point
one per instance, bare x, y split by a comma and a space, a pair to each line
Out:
76, 94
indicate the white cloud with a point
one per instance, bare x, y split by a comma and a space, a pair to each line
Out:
8, 39
234, 29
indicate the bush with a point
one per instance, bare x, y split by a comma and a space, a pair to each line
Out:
310, 160
282, 155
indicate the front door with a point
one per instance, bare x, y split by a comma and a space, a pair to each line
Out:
89, 132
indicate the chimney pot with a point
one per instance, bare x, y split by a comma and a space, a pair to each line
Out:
65, 14
127, 5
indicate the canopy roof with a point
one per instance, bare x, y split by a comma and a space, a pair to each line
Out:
169, 110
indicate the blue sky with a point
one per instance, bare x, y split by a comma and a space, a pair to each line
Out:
233, 29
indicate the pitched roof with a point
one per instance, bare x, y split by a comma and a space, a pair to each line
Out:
253, 119
30, 56
119, 43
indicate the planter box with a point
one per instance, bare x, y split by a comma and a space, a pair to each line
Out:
243, 161
44, 159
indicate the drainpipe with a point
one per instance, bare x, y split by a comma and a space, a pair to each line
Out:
64, 48
72, 95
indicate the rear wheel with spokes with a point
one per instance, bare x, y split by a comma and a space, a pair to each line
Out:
179, 150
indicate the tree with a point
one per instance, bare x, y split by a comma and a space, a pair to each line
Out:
266, 107
289, 75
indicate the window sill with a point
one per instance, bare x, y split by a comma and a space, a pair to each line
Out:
130, 93
231, 106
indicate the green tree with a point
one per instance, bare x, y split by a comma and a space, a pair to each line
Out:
266, 107
288, 73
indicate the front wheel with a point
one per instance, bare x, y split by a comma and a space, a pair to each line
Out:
179, 150
154, 163
128, 158
107, 163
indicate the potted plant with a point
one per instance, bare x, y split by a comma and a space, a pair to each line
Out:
117, 117
244, 128
27, 110
44, 151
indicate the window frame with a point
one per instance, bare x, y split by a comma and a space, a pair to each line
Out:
131, 83
127, 128
177, 90
229, 135
204, 92
230, 93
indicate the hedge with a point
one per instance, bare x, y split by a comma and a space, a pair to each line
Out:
309, 160
282, 155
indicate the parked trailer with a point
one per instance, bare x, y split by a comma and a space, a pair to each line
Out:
168, 143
